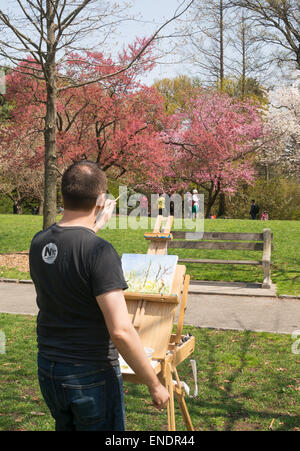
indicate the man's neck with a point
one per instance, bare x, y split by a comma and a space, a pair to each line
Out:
78, 219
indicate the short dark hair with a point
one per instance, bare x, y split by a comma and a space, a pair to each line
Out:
81, 185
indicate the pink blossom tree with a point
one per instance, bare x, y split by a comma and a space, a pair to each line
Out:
213, 142
117, 123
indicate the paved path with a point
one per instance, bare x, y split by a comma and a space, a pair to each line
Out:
217, 311
17, 298
261, 314
233, 288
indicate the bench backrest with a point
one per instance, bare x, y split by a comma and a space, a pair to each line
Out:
218, 240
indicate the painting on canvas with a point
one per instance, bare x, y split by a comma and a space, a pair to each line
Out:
146, 273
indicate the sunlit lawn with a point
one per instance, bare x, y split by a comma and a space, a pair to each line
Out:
246, 381
17, 231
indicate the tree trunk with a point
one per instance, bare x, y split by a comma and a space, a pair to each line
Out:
243, 87
208, 208
212, 195
222, 205
221, 46
19, 203
19, 207
50, 190
267, 171
41, 207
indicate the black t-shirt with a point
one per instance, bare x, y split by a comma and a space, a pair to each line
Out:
70, 266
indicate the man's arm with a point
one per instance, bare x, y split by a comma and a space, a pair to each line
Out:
128, 343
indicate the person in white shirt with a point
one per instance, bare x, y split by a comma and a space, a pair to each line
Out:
195, 204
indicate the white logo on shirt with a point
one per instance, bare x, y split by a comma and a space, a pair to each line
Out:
49, 253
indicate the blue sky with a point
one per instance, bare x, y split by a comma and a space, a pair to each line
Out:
152, 13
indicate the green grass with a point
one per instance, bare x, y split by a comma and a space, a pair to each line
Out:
17, 231
285, 256
246, 381
12, 273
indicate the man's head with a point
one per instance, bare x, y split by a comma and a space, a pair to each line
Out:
253, 201
82, 184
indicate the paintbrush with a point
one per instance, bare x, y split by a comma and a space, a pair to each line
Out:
119, 197
114, 200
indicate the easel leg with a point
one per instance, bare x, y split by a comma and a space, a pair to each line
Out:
185, 414
179, 393
170, 406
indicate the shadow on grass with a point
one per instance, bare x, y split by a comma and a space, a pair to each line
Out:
240, 407
237, 390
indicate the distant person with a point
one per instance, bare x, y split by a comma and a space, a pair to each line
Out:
15, 208
161, 203
172, 208
264, 216
144, 205
195, 203
254, 209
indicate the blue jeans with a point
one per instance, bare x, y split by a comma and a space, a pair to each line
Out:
82, 397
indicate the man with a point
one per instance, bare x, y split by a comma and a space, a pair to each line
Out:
253, 209
83, 318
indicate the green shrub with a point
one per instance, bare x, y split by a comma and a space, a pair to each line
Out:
6, 205
280, 197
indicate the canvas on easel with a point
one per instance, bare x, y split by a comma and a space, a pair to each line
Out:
146, 273
153, 314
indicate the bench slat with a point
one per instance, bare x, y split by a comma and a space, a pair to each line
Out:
215, 245
219, 236
220, 262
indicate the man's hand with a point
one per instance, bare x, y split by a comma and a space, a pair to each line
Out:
105, 214
160, 396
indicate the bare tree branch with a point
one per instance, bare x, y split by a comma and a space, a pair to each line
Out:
44, 29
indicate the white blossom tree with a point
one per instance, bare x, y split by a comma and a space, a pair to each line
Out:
283, 122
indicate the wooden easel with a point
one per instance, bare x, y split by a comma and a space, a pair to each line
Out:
153, 316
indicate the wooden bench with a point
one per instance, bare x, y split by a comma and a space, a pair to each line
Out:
227, 241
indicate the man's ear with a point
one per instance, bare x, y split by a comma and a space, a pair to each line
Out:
101, 200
